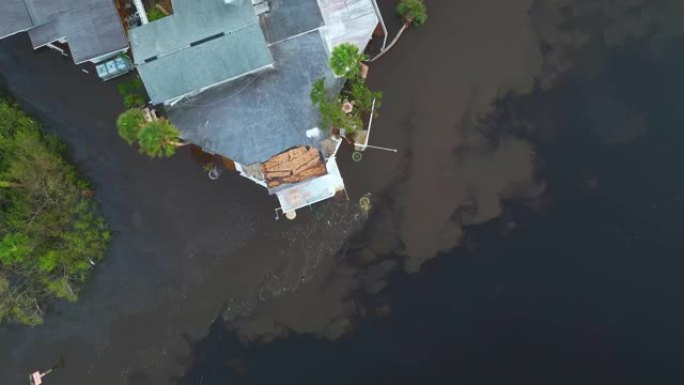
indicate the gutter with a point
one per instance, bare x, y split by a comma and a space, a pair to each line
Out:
382, 23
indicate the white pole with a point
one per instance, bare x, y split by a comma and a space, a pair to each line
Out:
370, 121
361, 147
382, 148
382, 23
141, 11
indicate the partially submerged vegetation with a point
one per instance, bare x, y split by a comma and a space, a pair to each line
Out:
50, 233
133, 93
414, 13
346, 110
155, 138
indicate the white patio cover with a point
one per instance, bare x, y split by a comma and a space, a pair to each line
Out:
312, 191
348, 21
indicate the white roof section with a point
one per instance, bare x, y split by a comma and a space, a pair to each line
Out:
312, 191
348, 21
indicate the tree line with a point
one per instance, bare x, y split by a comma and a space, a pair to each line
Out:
50, 232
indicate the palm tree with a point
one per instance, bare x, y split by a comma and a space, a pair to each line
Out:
346, 60
413, 12
159, 139
129, 124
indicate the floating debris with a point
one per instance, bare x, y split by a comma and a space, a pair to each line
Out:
365, 202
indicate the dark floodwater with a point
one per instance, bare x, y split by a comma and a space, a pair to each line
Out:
583, 288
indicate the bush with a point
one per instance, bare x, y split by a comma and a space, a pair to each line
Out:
330, 109
49, 231
133, 93
362, 96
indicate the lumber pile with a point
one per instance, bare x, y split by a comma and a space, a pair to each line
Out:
293, 166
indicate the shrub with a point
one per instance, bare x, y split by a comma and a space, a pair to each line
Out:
133, 93
330, 109
363, 96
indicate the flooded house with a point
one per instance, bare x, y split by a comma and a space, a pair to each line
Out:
234, 76
85, 30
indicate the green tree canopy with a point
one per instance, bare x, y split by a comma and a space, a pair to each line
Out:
155, 139
345, 60
413, 11
158, 139
129, 124
49, 231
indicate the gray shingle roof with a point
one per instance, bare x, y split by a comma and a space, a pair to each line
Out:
204, 42
91, 27
287, 18
207, 64
14, 17
255, 117
252, 118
